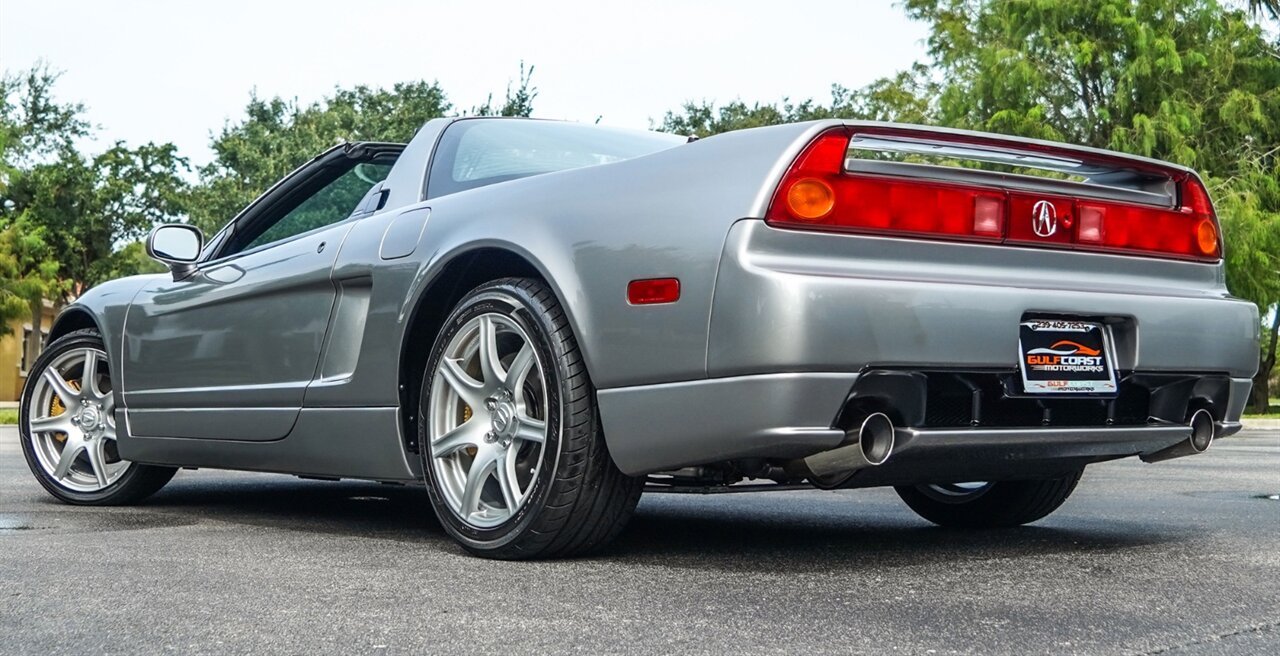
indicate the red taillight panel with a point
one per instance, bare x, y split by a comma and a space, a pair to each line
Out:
889, 205
1191, 231
881, 204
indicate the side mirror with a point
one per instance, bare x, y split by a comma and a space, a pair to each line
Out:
177, 245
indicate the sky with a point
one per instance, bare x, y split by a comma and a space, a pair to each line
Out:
178, 71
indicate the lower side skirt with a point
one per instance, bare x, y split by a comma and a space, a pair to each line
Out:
359, 443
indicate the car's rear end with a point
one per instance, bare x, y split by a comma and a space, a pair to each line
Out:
1014, 308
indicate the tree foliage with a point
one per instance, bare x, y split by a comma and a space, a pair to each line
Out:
1269, 8
28, 273
904, 97
277, 136
90, 207
66, 217
518, 102
34, 125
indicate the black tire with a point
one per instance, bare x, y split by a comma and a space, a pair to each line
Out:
136, 484
578, 501
998, 505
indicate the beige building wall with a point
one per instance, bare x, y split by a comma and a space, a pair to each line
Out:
13, 374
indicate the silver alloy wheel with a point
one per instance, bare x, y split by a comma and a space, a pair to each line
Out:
72, 422
487, 427
955, 492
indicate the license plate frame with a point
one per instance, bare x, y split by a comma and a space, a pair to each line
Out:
1060, 357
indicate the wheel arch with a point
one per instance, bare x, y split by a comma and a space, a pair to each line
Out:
71, 319
456, 276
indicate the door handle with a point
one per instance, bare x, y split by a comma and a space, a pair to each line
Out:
320, 248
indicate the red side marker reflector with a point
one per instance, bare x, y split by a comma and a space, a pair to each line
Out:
653, 291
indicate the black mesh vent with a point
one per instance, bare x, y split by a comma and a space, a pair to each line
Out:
960, 399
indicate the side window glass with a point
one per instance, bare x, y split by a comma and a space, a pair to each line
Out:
331, 204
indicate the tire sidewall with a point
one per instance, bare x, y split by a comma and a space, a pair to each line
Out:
1003, 504
76, 340
516, 304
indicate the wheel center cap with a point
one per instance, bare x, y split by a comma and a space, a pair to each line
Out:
503, 417
89, 418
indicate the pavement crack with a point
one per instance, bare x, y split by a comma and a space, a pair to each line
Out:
1257, 628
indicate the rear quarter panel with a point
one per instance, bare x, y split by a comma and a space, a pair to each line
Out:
592, 230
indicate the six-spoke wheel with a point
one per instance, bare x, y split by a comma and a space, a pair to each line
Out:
68, 427
514, 456
72, 421
488, 420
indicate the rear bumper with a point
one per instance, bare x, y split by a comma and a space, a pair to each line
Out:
789, 301
653, 428
801, 321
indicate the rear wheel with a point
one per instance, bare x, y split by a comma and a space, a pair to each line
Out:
67, 427
512, 448
989, 505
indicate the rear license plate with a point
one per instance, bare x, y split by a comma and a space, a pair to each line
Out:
1065, 357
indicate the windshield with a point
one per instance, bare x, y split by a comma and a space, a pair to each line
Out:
475, 153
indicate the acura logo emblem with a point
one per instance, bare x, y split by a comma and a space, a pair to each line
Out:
1044, 218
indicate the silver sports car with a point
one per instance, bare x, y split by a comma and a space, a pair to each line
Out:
539, 321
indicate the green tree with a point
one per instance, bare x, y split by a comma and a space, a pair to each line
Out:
91, 207
28, 275
33, 123
518, 102
903, 97
32, 126
277, 136
1262, 8
82, 210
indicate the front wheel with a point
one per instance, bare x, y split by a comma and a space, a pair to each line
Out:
989, 505
512, 447
67, 427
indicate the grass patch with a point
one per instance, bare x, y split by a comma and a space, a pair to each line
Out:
1272, 413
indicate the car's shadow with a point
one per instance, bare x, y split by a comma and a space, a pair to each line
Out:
815, 532
777, 532
354, 508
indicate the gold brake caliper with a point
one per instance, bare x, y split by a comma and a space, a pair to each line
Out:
466, 416
56, 408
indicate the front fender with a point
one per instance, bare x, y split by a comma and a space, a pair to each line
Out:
103, 308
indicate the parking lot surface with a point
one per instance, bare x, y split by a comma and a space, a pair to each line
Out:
1181, 557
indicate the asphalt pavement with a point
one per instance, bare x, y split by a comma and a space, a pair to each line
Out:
1177, 558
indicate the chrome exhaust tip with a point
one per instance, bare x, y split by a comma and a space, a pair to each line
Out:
1203, 430
868, 446
876, 438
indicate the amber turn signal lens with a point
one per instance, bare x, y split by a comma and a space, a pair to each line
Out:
810, 199
1207, 237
